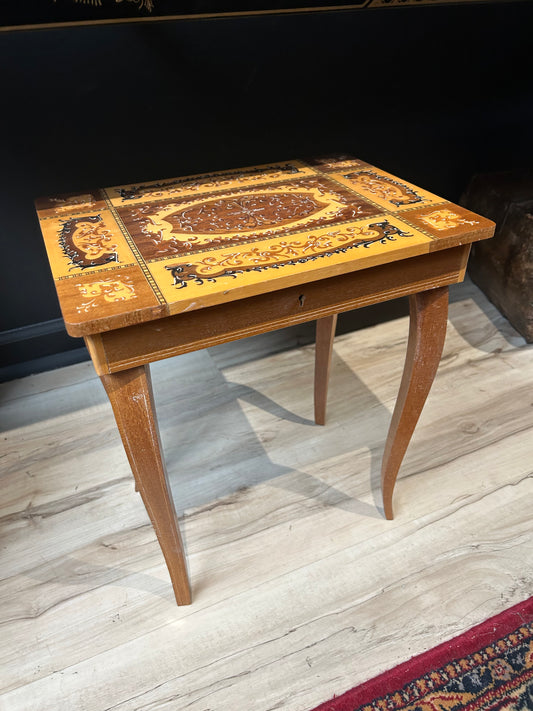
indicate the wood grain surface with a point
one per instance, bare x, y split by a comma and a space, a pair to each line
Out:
302, 589
143, 343
135, 253
427, 331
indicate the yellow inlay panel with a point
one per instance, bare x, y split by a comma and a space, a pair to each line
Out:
386, 190
205, 278
82, 243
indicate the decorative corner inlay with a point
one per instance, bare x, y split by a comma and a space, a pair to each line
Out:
87, 242
393, 191
445, 219
105, 291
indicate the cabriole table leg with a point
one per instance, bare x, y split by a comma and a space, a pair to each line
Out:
427, 331
131, 396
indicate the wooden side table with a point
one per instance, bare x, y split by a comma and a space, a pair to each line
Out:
148, 271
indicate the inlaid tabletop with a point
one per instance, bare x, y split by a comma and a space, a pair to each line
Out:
134, 253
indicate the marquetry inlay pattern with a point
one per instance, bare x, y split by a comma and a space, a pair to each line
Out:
174, 245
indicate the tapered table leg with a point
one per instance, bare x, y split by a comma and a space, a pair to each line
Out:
427, 330
325, 333
131, 396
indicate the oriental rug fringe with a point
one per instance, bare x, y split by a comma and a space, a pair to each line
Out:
487, 668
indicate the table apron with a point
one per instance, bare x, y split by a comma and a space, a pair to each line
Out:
124, 348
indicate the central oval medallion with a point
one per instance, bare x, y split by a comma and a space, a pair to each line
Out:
241, 213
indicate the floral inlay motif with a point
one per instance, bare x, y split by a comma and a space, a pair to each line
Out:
445, 220
241, 213
105, 290
244, 212
284, 253
385, 188
87, 242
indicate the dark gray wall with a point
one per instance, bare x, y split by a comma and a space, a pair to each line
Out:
434, 94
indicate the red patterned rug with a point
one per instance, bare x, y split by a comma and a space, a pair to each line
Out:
488, 668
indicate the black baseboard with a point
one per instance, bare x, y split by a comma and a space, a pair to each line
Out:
40, 365
47, 346
38, 347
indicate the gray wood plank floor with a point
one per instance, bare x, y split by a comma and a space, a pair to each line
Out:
301, 588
